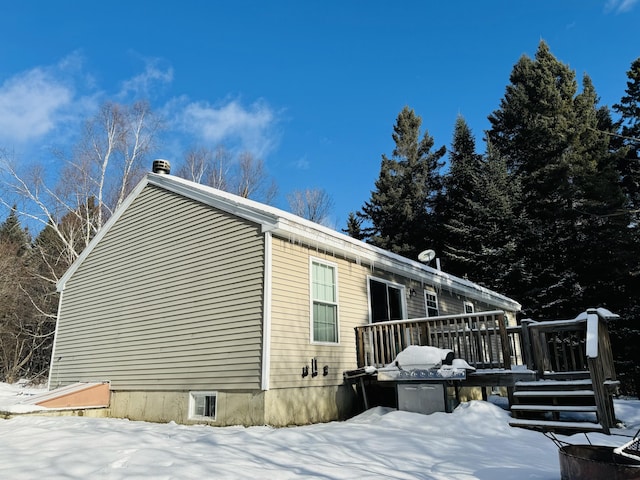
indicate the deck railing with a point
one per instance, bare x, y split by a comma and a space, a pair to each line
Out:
556, 346
482, 339
581, 344
485, 341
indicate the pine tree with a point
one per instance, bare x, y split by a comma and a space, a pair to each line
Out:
20, 332
354, 227
457, 207
548, 135
629, 110
12, 232
401, 208
496, 223
625, 334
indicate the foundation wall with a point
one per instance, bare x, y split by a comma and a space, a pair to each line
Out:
302, 406
276, 407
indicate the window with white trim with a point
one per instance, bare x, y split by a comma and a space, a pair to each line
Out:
468, 307
324, 299
203, 405
386, 300
431, 304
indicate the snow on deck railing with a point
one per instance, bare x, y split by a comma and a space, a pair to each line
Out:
592, 334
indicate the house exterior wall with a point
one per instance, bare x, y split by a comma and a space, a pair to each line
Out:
169, 299
291, 345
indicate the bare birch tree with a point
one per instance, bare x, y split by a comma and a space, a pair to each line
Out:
93, 183
203, 165
314, 204
252, 181
71, 204
245, 175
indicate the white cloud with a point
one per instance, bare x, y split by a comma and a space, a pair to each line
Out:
302, 163
31, 104
148, 82
232, 124
619, 6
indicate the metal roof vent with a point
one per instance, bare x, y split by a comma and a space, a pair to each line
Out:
161, 166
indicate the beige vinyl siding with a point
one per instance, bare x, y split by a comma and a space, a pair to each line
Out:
291, 346
170, 298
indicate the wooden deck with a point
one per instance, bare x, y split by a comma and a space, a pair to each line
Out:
517, 357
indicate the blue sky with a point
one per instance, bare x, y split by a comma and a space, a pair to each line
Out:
311, 87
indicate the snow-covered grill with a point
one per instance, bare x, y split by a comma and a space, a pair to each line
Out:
422, 377
424, 364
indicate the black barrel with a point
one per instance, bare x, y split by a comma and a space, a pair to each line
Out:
585, 462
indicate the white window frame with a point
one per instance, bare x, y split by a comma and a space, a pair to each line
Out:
312, 300
427, 294
469, 304
399, 286
193, 415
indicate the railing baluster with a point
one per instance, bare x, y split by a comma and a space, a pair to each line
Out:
480, 339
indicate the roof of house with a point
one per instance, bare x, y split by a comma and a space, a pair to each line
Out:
303, 231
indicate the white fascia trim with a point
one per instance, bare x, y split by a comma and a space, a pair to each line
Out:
266, 314
55, 340
103, 231
224, 201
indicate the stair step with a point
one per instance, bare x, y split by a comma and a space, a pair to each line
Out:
575, 375
549, 425
553, 393
554, 383
554, 408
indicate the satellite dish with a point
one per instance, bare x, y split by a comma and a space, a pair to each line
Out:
426, 256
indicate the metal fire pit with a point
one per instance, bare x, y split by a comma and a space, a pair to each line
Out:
581, 462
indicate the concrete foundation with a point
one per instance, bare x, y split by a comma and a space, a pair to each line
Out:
278, 407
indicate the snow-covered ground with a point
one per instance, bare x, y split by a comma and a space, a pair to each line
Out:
473, 442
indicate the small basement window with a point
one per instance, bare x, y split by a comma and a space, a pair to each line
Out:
203, 405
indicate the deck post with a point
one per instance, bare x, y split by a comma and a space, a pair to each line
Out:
527, 350
504, 339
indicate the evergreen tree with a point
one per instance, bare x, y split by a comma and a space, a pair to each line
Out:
457, 209
625, 334
21, 332
496, 222
12, 232
354, 227
548, 135
629, 110
401, 208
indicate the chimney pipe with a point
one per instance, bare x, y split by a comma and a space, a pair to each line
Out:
161, 166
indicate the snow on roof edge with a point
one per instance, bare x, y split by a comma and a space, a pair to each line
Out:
284, 222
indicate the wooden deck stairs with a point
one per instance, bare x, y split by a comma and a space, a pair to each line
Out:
563, 403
